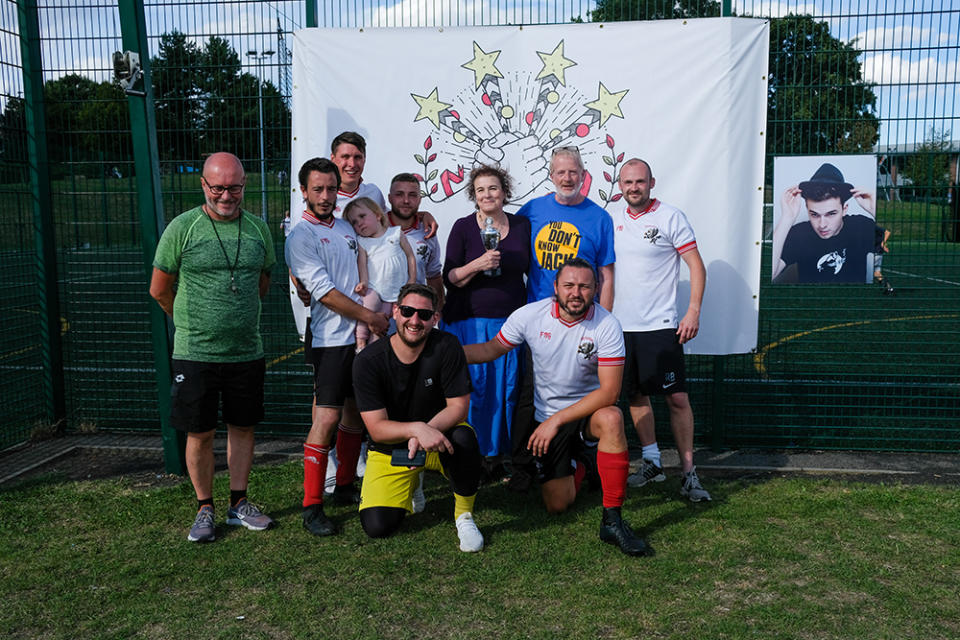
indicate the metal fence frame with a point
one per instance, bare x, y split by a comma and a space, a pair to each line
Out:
799, 390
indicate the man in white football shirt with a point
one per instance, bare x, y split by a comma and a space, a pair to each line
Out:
577, 349
651, 238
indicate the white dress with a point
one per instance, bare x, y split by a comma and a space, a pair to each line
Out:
386, 263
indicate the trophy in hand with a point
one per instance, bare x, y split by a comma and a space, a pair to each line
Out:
491, 240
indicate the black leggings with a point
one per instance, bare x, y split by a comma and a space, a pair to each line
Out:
462, 468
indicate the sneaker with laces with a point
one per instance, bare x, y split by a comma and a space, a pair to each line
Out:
419, 502
203, 529
249, 516
692, 489
316, 521
613, 530
471, 540
331, 479
648, 472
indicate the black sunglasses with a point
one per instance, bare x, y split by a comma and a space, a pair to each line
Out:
423, 314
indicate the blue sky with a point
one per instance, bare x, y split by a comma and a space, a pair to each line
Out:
910, 47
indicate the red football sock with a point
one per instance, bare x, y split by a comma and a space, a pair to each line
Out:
613, 469
348, 452
314, 472
578, 476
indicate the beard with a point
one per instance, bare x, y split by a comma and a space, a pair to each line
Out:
576, 314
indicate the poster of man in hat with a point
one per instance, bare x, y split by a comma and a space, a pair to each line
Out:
824, 218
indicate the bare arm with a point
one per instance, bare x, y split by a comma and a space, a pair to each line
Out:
606, 287
419, 435
790, 205
411, 260
264, 284
161, 289
484, 351
361, 287
690, 323
344, 306
604, 396
460, 276
429, 224
436, 283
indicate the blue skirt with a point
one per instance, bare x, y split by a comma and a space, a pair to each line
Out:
496, 386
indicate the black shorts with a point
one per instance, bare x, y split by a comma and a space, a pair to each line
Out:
560, 459
654, 364
333, 374
199, 387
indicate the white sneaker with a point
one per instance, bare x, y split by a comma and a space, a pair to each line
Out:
471, 540
362, 460
331, 480
419, 499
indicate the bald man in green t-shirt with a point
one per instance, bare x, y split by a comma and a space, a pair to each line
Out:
219, 257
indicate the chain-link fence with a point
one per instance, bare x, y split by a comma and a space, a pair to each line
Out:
847, 367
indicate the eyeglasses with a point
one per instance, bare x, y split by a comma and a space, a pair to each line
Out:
568, 150
423, 314
218, 189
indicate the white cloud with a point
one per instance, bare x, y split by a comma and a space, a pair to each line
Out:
893, 37
893, 68
444, 13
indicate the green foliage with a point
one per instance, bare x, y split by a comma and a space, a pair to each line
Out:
929, 166
618, 10
206, 103
87, 128
818, 102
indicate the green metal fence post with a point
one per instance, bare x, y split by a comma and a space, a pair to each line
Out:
311, 6
717, 402
44, 228
726, 8
149, 201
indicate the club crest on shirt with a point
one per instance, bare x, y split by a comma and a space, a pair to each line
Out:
351, 242
422, 251
545, 335
587, 348
652, 234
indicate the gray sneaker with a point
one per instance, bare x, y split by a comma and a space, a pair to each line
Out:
203, 529
692, 489
249, 516
648, 472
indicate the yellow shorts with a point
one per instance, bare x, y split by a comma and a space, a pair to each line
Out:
385, 485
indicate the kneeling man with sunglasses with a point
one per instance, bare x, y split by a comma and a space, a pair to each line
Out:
413, 393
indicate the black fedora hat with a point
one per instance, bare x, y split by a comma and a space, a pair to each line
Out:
830, 177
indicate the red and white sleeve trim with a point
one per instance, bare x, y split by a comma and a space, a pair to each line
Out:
611, 362
504, 341
682, 249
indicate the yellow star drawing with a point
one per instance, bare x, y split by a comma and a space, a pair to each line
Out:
554, 64
430, 107
608, 104
483, 64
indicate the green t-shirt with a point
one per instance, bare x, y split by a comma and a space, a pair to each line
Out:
213, 323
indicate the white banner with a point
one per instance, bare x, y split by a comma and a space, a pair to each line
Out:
688, 96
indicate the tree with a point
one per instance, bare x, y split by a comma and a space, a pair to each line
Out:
817, 100
929, 165
205, 102
619, 10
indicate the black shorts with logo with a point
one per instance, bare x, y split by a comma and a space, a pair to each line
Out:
654, 363
198, 388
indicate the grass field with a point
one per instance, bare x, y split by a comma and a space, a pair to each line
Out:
771, 557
